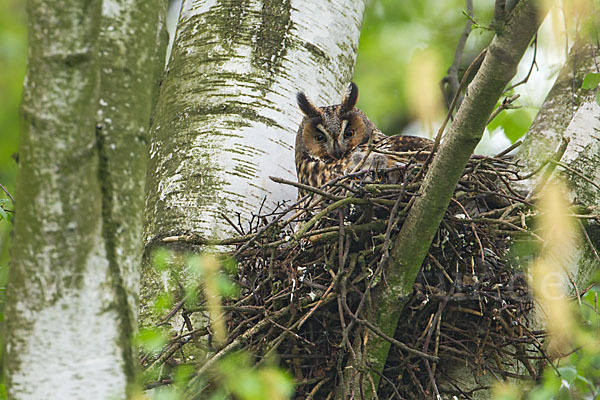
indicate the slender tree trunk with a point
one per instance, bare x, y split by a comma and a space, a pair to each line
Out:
72, 292
410, 247
226, 117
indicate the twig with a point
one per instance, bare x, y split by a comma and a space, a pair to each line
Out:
463, 82
320, 302
506, 104
393, 341
589, 242
7, 193
340, 203
316, 388
574, 171
533, 63
458, 53
306, 188
473, 229
509, 149
560, 151
234, 226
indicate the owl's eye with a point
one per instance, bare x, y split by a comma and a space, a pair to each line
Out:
319, 137
348, 133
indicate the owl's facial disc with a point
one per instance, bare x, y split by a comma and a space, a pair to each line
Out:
333, 144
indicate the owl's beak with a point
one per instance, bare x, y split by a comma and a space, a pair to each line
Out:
336, 152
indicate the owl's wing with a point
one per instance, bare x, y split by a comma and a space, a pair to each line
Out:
388, 152
403, 144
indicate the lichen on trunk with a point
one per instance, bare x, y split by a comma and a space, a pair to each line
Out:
226, 117
72, 291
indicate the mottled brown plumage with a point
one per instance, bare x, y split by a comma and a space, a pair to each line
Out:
333, 140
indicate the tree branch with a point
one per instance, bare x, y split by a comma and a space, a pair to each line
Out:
417, 233
458, 53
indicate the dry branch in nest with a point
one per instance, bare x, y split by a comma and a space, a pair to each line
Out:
306, 273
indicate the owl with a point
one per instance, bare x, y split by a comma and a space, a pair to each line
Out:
333, 140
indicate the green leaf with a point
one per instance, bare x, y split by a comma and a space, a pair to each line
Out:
191, 293
229, 265
196, 264
564, 394
162, 303
514, 122
183, 374
591, 80
151, 340
278, 382
219, 395
165, 393
161, 259
568, 373
3, 214
598, 97
227, 288
247, 386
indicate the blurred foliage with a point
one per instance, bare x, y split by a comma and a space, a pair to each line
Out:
514, 123
572, 320
577, 375
13, 53
390, 37
234, 376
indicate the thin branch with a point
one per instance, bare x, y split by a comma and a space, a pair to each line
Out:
452, 77
395, 342
306, 188
463, 82
509, 149
8, 194
579, 174
506, 104
533, 64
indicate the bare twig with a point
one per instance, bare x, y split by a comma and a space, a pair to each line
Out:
533, 64
7, 193
505, 105
452, 76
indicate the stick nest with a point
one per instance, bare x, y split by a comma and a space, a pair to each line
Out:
307, 274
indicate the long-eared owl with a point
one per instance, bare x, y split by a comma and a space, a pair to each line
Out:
333, 140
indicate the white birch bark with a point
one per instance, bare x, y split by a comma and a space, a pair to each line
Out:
226, 118
71, 302
571, 113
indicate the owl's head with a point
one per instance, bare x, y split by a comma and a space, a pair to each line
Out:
331, 132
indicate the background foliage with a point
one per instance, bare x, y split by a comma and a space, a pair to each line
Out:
391, 35
13, 53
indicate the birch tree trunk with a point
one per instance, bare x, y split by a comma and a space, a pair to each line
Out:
571, 113
226, 117
71, 304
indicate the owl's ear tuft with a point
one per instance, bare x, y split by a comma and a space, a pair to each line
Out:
307, 107
350, 99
